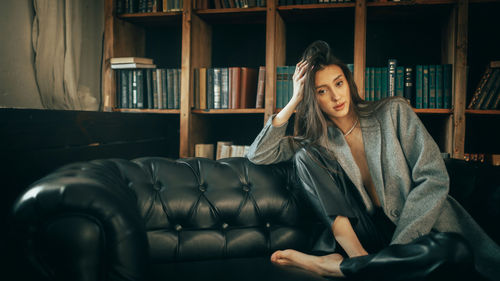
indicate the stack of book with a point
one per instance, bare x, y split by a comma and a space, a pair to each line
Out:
225, 149
140, 85
148, 6
229, 88
227, 4
431, 88
487, 93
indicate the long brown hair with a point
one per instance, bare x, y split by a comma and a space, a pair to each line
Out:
311, 124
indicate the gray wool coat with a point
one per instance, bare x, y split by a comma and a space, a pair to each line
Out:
408, 173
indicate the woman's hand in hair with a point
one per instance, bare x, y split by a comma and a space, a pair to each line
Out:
299, 78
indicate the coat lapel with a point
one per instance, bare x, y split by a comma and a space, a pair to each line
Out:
343, 153
370, 129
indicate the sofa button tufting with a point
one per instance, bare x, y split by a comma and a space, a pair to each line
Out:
225, 226
202, 187
157, 186
246, 188
178, 227
268, 225
395, 213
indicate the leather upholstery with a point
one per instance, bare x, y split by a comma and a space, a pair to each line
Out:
112, 219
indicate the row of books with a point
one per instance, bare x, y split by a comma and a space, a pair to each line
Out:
229, 87
430, 87
148, 88
487, 93
284, 84
227, 4
225, 149
148, 6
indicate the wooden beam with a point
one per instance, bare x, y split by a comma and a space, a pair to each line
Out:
360, 46
275, 54
460, 79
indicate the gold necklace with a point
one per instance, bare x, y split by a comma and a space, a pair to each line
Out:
352, 128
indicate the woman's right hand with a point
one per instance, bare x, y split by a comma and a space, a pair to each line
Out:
299, 77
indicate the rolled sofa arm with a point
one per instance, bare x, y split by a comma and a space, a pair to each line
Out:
81, 222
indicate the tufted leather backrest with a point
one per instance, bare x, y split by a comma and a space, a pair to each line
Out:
198, 208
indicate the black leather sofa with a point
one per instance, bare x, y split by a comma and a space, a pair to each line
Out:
186, 219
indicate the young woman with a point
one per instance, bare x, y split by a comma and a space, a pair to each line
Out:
374, 175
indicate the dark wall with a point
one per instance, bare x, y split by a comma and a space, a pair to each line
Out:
35, 142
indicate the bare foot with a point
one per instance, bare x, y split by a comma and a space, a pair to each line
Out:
328, 265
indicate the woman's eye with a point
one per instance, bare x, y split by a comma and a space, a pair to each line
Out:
321, 91
340, 83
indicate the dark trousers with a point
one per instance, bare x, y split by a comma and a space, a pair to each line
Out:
331, 193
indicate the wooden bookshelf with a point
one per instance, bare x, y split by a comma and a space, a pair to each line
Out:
229, 111
274, 28
137, 110
482, 112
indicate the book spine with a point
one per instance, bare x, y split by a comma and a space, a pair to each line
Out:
409, 85
372, 84
485, 90
496, 101
278, 87
134, 88
224, 88
400, 81
159, 87
259, 103
488, 101
154, 77
367, 84
378, 83
118, 97
196, 87
210, 88
447, 85
178, 92
217, 88
439, 86
384, 87
149, 90
140, 88
166, 76
480, 86
124, 91
418, 87
291, 70
203, 88
392, 65
432, 86
425, 86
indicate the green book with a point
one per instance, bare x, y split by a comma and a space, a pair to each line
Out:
140, 88
400, 77
486, 89
372, 83
378, 83
291, 70
439, 86
425, 86
447, 85
418, 86
487, 102
432, 86
384, 85
367, 84
279, 87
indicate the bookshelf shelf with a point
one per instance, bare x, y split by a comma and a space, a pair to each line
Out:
229, 111
137, 110
157, 18
317, 6
482, 112
411, 3
233, 16
433, 111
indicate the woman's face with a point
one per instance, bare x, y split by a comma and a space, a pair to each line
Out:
332, 92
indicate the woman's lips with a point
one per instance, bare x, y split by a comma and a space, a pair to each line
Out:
339, 107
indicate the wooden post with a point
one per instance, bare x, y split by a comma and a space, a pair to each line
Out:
196, 52
275, 54
460, 80
360, 46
